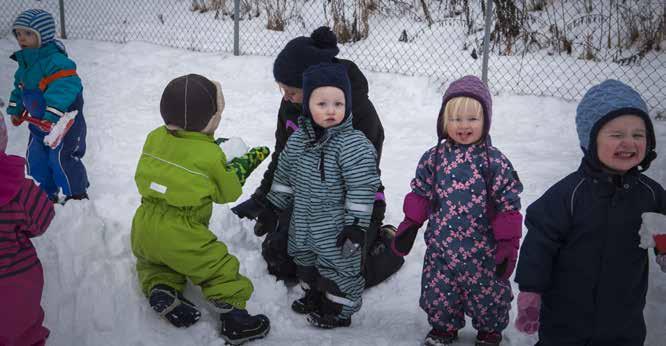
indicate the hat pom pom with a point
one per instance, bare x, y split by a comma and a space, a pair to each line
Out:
323, 37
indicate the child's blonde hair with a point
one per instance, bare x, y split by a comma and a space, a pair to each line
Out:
460, 104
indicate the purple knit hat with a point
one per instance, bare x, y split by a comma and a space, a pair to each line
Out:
468, 86
3, 135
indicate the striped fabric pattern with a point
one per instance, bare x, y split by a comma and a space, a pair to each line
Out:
325, 177
26, 216
38, 21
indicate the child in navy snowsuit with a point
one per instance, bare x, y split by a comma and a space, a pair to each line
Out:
468, 192
328, 173
46, 89
582, 276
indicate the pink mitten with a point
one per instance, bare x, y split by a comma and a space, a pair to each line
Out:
506, 255
661, 260
415, 208
529, 308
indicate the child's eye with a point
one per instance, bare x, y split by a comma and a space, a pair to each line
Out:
339, 104
639, 135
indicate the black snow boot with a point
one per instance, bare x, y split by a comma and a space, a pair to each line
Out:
488, 338
310, 302
328, 315
438, 337
238, 326
172, 306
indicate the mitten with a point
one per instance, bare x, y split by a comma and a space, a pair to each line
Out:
351, 239
404, 238
506, 255
251, 208
16, 121
529, 308
661, 260
660, 243
267, 220
507, 229
416, 209
60, 129
244, 165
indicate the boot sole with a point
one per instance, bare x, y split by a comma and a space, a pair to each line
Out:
236, 342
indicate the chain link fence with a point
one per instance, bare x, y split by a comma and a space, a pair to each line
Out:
541, 47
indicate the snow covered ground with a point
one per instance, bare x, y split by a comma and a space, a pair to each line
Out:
91, 295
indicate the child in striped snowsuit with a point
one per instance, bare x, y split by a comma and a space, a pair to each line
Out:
328, 172
49, 96
468, 191
25, 212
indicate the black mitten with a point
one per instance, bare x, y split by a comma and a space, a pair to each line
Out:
351, 239
251, 208
267, 220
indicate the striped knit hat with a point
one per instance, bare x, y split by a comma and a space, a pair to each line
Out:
38, 21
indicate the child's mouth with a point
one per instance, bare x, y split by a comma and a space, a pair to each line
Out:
625, 155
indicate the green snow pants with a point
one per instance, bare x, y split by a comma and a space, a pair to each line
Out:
172, 244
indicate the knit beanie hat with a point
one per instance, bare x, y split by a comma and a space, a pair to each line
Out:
468, 86
302, 52
38, 21
605, 102
321, 75
190, 102
3, 135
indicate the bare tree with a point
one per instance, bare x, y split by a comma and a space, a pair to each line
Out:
276, 14
350, 19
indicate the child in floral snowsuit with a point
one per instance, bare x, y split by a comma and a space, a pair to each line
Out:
468, 191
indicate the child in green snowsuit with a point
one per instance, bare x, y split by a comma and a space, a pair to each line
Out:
181, 172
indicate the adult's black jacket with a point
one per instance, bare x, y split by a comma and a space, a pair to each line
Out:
365, 118
581, 253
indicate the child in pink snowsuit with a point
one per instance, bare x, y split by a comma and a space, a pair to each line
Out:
25, 212
468, 191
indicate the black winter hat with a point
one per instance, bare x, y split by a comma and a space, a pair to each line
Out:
189, 102
321, 75
302, 52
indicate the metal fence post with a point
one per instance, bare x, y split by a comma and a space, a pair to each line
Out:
486, 41
236, 27
61, 7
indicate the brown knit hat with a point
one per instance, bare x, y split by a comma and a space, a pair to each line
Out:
189, 102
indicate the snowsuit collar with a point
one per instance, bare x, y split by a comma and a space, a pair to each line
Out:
317, 142
608, 182
191, 135
12, 173
28, 56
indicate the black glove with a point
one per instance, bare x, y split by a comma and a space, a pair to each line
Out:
378, 211
351, 239
251, 208
267, 220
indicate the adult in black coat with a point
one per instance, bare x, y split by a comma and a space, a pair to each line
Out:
296, 56
580, 262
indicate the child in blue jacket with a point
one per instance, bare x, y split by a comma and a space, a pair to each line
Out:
48, 95
582, 275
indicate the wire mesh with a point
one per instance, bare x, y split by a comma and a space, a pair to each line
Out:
541, 47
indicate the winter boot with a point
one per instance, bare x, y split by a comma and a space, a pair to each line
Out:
328, 315
488, 338
438, 337
238, 326
310, 302
78, 197
172, 306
